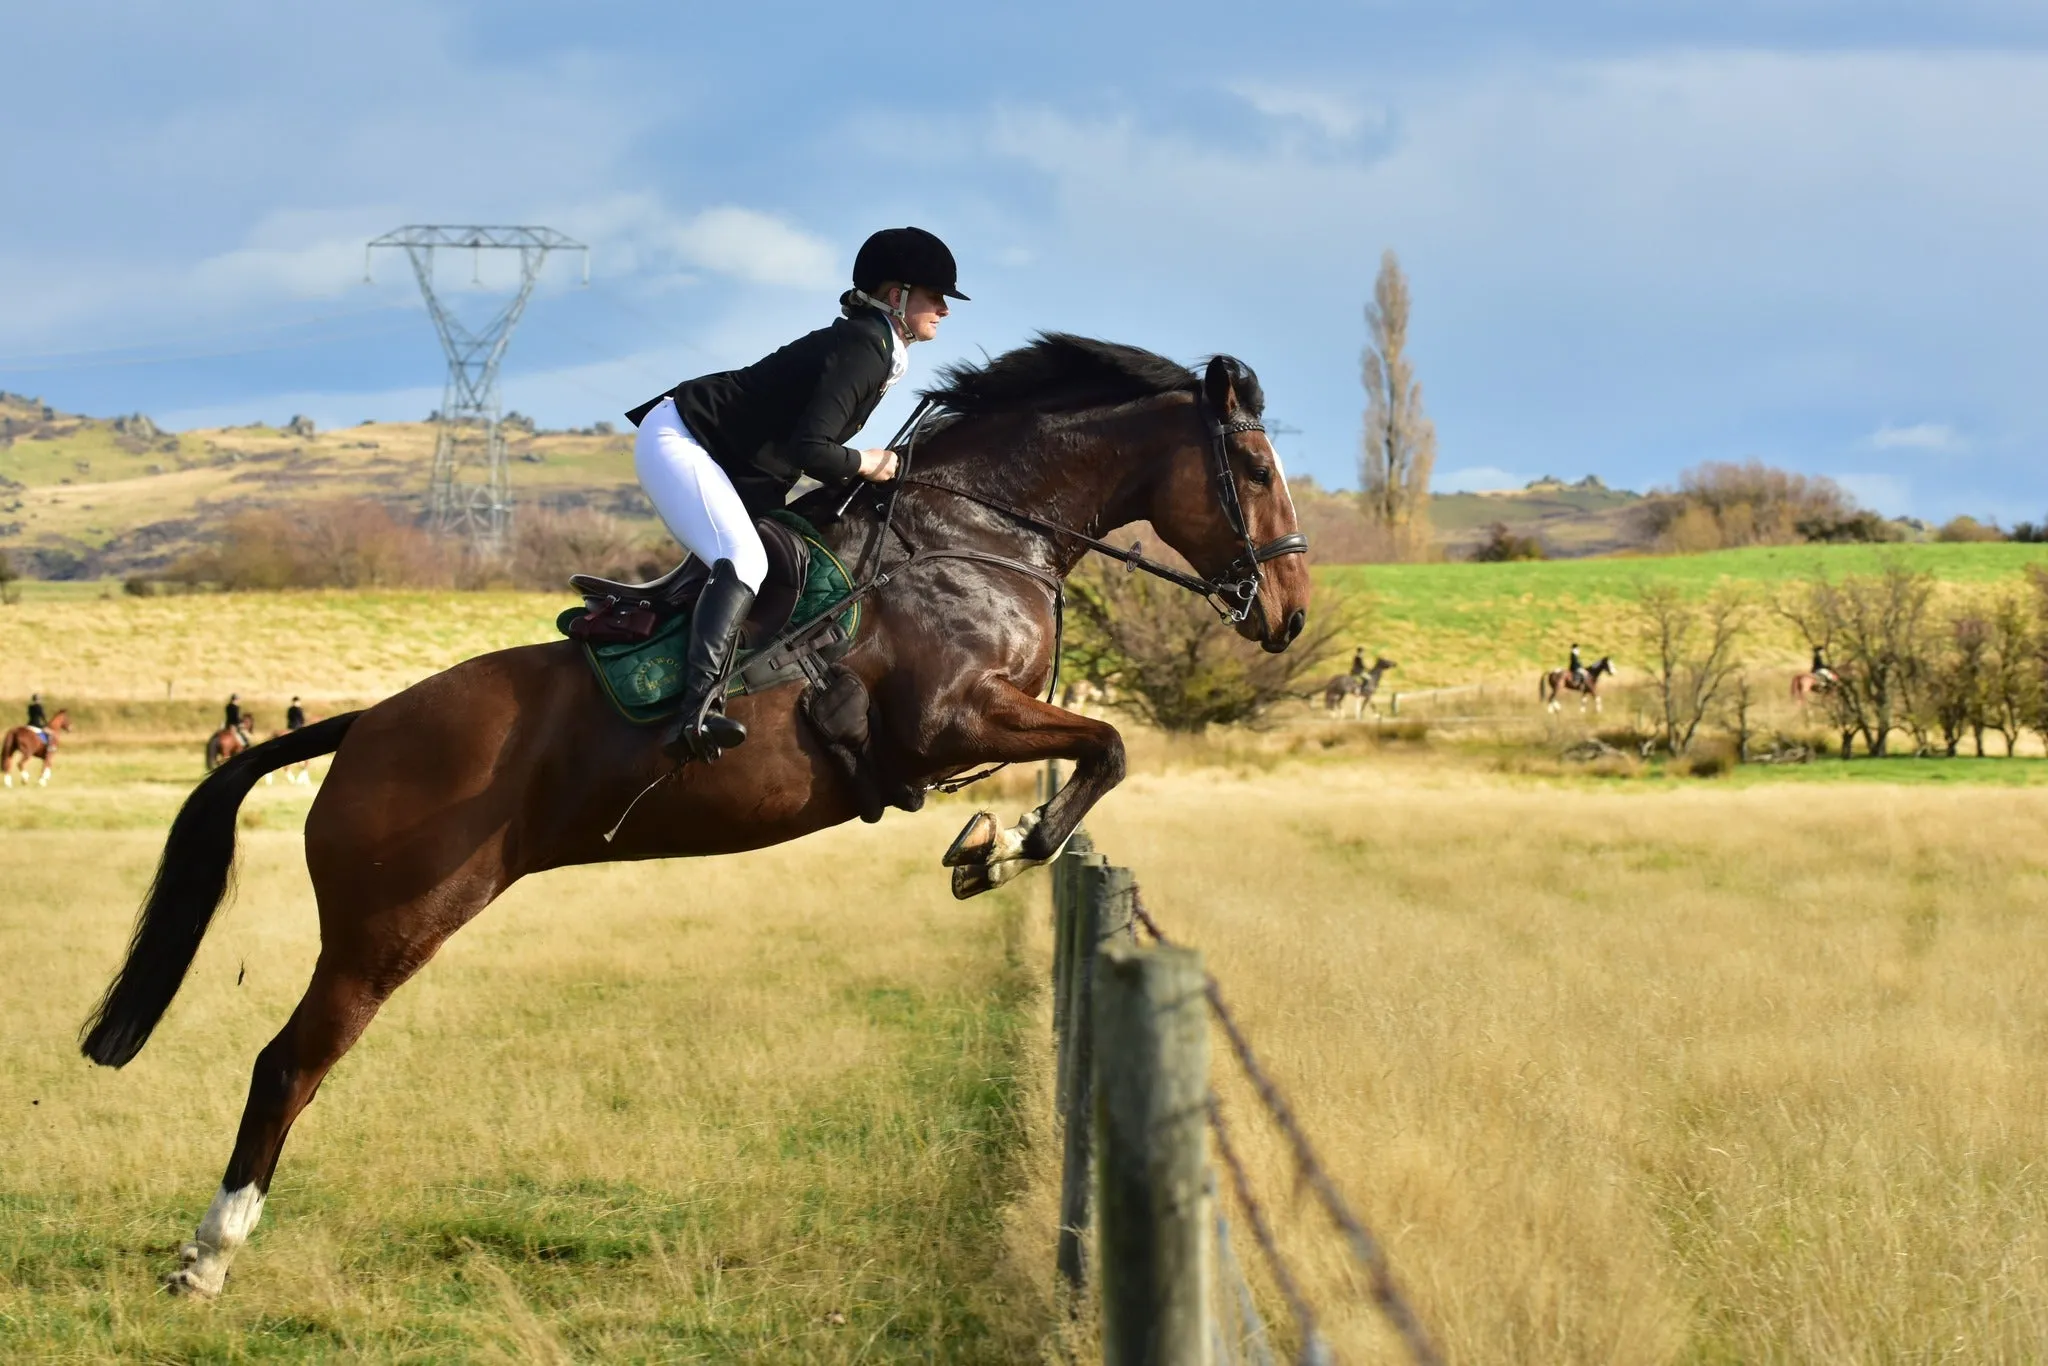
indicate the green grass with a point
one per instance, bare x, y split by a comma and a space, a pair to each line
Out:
1454, 623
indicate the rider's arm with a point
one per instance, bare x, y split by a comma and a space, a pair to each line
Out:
853, 375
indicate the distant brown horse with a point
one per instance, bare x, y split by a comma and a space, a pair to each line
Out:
225, 743
24, 743
300, 773
443, 796
1557, 681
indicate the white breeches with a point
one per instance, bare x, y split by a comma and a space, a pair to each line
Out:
696, 501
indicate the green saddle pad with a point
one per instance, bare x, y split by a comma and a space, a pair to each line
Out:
643, 678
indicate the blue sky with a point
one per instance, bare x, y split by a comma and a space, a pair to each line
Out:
1639, 235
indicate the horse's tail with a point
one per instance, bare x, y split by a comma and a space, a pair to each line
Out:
191, 881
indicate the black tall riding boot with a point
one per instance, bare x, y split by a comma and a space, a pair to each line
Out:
703, 729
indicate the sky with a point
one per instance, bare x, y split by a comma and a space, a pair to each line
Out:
1639, 235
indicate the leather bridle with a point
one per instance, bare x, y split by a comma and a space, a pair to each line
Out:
1236, 593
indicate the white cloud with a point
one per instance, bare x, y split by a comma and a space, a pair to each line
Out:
1889, 494
1920, 436
1479, 479
757, 247
1336, 116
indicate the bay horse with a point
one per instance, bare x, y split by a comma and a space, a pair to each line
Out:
225, 743
1359, 686
1550, 685
24, 743
441, 797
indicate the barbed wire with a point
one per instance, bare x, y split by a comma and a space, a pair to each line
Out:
1386, 1293
1313, 1350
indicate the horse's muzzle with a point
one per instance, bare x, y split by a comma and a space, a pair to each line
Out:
1274, 642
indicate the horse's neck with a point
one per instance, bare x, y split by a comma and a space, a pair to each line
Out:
1088, 475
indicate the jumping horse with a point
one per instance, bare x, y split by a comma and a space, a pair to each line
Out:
441, 797
24, 743
1558, 681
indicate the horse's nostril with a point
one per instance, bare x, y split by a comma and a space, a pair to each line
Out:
1295, 621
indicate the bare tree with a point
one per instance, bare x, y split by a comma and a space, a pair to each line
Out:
1400, 440
1693, 651
1165, 656
1876, 625
2013, 672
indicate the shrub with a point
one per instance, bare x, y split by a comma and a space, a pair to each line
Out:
355, 544
1504, 545
1967, 529
1722, 505
1165, 655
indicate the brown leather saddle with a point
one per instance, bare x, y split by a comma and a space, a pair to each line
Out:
620, 612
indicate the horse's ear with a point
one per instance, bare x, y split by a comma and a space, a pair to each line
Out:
1219, 385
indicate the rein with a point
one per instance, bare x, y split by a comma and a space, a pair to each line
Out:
1233, 596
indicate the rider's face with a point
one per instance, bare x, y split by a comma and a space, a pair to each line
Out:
922, 312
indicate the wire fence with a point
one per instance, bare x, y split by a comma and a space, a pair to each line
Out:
1099, 915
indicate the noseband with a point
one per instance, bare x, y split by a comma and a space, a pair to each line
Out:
1242, 579
1237, 591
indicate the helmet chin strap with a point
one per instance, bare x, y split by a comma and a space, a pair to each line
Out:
896, 311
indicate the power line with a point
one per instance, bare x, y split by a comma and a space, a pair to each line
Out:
469, 492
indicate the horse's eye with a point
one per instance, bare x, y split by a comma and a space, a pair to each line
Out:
1262, 475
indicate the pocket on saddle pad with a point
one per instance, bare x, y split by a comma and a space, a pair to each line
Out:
605, 623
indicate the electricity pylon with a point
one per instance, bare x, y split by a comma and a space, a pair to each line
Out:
469, 493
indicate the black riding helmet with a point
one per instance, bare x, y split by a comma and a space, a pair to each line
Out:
908, 256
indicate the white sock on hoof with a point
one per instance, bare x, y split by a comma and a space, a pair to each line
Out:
229, 1220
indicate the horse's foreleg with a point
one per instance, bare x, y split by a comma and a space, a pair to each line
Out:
1014, 727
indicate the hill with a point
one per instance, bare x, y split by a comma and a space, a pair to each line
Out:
1570, 520
84, 497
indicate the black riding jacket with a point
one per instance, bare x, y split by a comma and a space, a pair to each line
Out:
294, 717
36, 717
790, 413
232, 713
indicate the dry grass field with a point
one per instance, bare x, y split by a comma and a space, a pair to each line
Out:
1625, 1069
665, 1112
1707, 1073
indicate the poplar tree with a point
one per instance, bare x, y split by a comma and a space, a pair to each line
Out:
1400, 440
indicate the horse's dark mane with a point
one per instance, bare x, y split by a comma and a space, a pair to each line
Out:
1060, 372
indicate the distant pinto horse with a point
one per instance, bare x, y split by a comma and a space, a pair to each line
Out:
1353, 693
1551, 686
512, 763
225, 743
24, 743
1809, 685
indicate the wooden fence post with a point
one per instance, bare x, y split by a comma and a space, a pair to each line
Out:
1102, 898
1151, 1048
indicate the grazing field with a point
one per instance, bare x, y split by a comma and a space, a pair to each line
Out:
1454, 623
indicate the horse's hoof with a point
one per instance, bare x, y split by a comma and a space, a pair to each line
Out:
971, 847
971, 880
201, 1277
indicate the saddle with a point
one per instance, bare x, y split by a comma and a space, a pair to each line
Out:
622, 613
634, 634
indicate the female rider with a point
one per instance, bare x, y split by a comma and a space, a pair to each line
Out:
716, 452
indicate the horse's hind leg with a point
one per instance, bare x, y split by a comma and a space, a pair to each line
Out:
349, 984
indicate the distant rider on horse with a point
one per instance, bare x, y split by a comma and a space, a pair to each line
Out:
38, 719
1577, 669
716, 452
294, 716
231, 717
1822, 674
1358, 669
